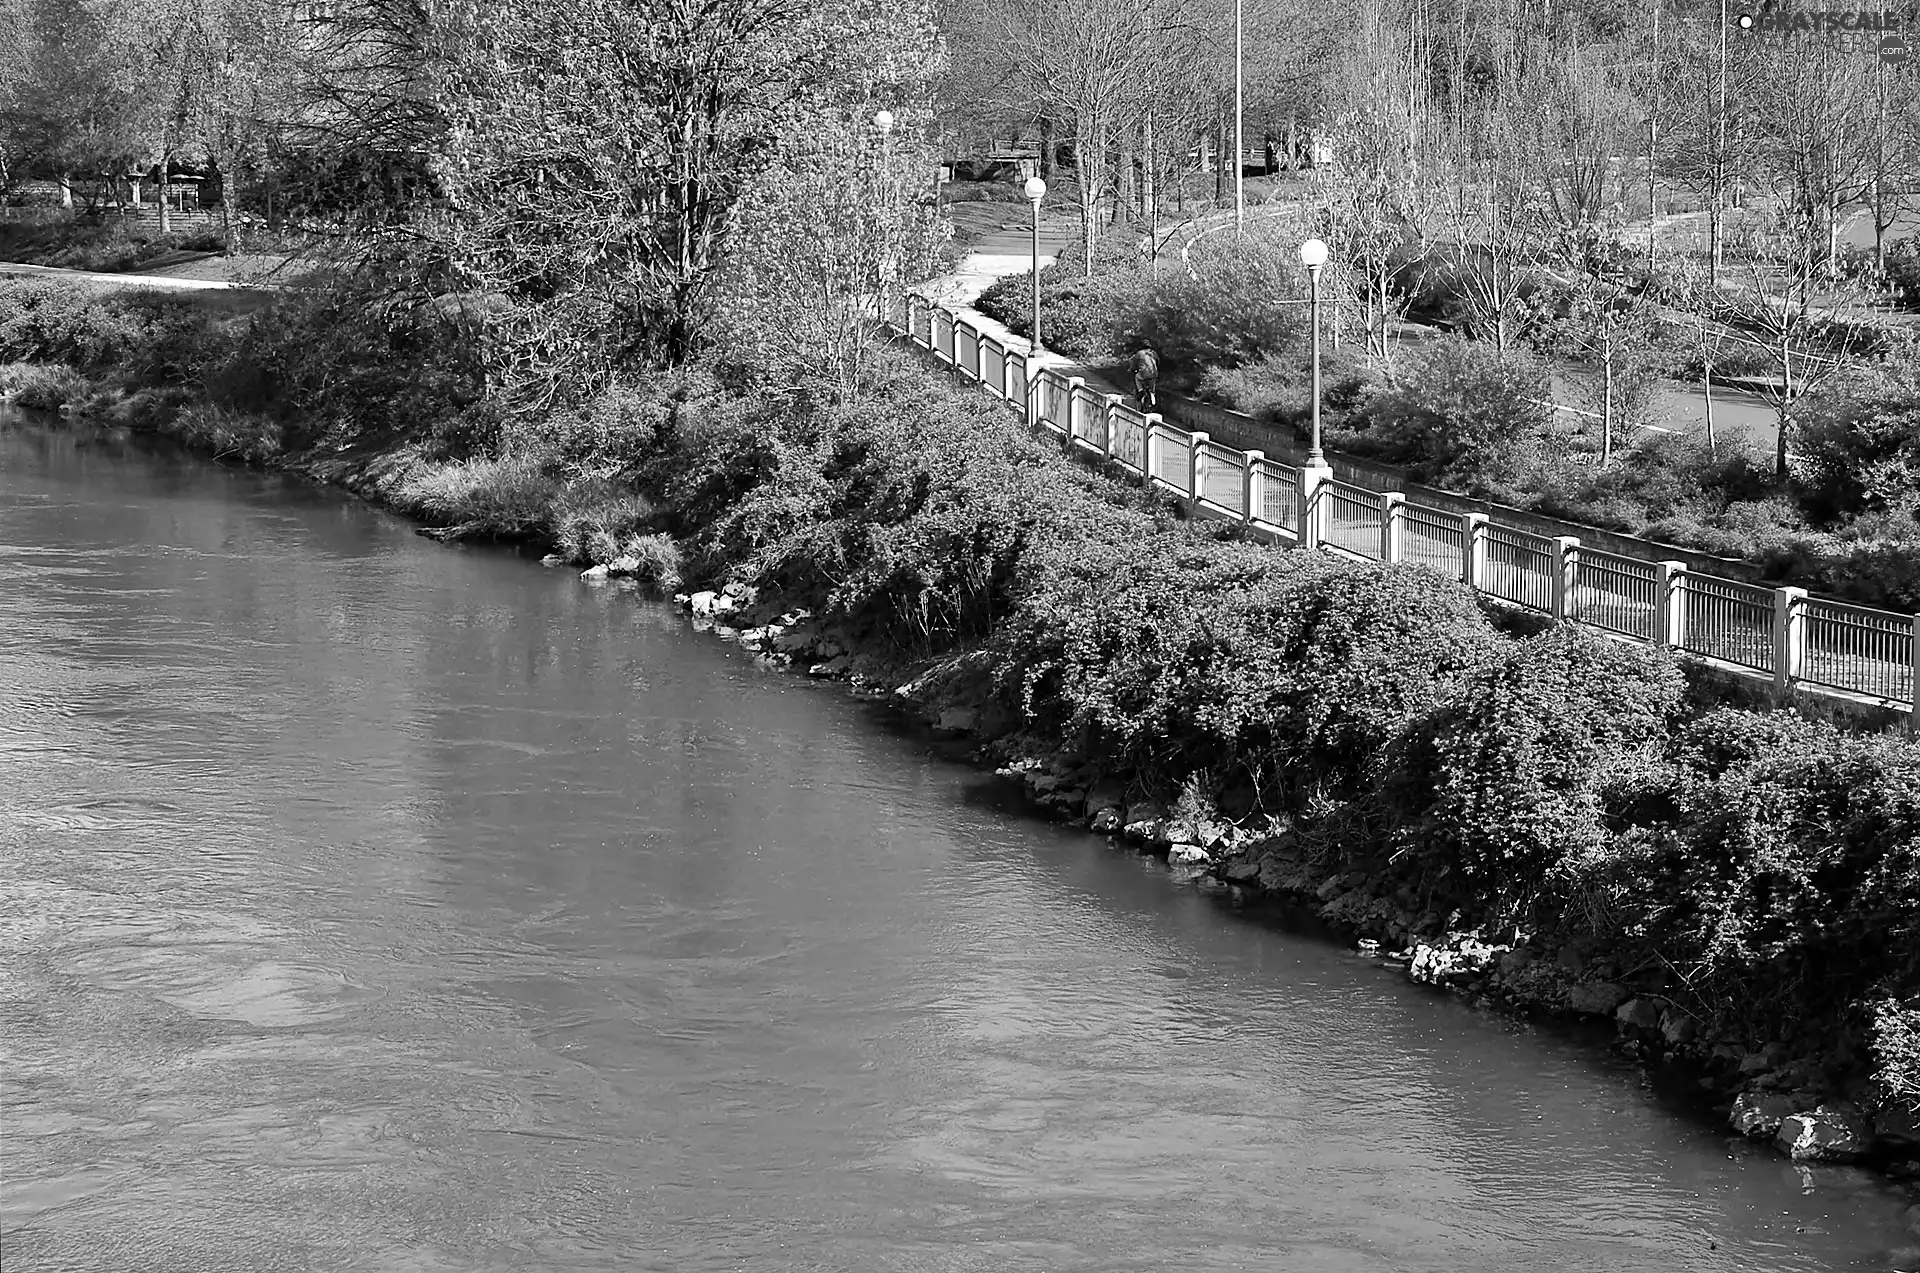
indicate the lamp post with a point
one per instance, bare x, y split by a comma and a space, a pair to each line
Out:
1036, 190
883, 124
1239, 113
1313, 255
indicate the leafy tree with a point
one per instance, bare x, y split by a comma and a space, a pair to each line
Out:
597, 155
829, 238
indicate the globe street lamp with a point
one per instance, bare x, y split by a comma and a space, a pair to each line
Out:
1036, 190
1313, 255
884, 122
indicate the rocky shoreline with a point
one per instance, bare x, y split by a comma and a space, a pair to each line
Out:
1768, 1093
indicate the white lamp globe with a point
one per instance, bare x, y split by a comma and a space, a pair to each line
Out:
883, 121
1036, 189
1313, 254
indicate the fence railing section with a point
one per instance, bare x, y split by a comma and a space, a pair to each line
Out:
1779, 633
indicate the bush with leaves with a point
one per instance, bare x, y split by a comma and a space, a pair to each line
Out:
1859, 446
1077, 314
1278, 387
1231, 311
1517, 778
1287, 672
1460, 417
1809, 894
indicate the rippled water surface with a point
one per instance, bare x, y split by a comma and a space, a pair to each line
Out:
371, 904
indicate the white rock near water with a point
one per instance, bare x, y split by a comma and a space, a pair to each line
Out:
1760, 1113
1831, 1133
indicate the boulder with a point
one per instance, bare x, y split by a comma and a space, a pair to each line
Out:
704, 603
1830, 1133
1188, 855
1596, 998
1912, 1217
1152, 831
1243, 870
623, 565
835, 666
1106, 795
796, 639
1106, 821
1760, 1114
958, 720
553, 559
1677, 1028
743, 593
1512, 961
594, 573
1144, 813
1638, 1015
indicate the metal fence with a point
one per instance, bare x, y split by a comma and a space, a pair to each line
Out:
1779, 633
1620, 594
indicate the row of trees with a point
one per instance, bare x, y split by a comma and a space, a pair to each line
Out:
92, 94
581, 189
1562, 110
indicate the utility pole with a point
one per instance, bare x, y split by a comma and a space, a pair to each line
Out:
1715, 222
1653, 208
1239, 109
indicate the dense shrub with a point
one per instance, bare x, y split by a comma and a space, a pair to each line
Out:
1461, 417
1512, 785
351, 359
1077, 314
1283, 671
108, 245
48, 321
1859, 446
1279, 387
1225, 314
1809, 888
41, 387
509, 497
1903, 269
909, 509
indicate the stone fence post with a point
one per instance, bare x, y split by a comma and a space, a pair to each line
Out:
1196, 467
1253, 491
1566, 576
1473, 550
1670, 604
1393, 526
1789, 635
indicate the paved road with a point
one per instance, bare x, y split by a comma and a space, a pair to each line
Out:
16, 270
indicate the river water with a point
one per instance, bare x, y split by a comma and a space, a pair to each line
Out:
367, 903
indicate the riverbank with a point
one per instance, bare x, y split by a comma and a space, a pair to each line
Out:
1551, 821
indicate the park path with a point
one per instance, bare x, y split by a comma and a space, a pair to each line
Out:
161, 282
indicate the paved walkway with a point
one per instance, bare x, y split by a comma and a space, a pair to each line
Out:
13, 269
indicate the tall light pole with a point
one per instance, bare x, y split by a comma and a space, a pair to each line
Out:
1239, 109
1313, 255
883, 122
1036, 190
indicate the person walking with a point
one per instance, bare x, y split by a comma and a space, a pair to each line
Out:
1146, 376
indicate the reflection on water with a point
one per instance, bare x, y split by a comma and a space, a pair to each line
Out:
366, 903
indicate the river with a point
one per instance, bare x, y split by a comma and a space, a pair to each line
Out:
367, 903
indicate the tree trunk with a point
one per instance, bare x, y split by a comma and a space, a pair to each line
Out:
1785, 413
166, 212
1713, 445
66, 191
1606, 412
1046, 150
1086, 170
